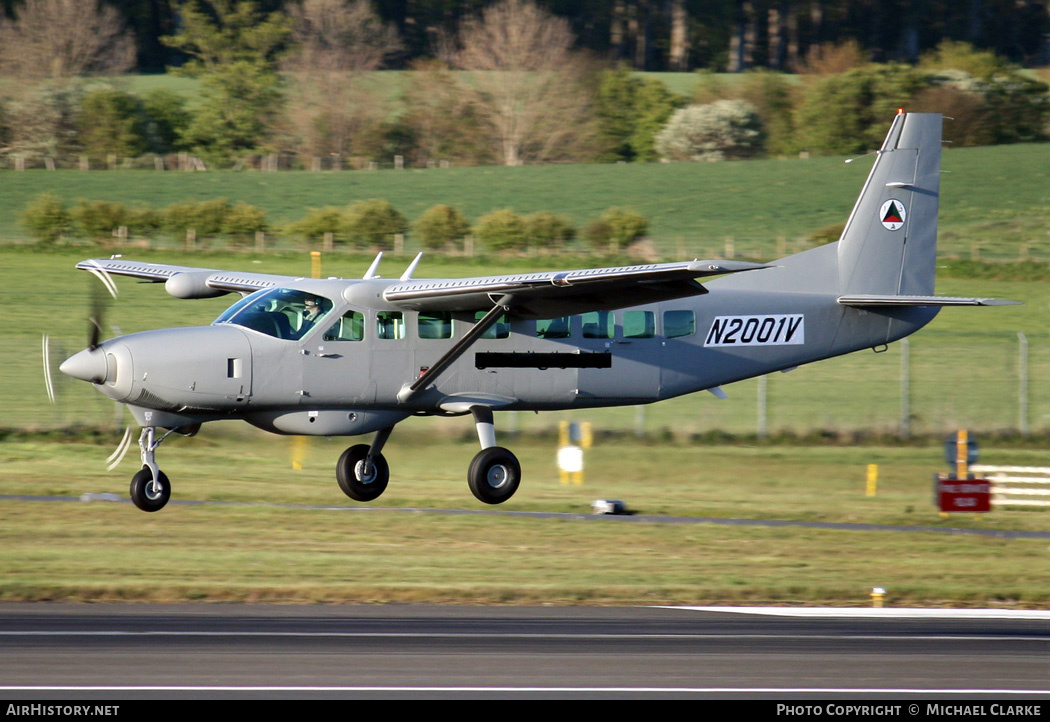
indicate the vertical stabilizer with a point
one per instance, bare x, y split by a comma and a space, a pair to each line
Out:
889, 245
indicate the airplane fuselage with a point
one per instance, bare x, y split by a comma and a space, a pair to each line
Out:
329, 382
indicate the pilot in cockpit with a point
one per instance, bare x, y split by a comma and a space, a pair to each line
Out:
312, 311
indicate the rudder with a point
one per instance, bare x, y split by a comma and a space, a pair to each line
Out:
889, 245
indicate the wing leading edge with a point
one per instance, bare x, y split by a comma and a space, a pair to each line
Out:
186, 281
554, 293
559, 293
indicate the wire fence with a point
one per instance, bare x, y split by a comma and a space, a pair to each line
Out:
991, 382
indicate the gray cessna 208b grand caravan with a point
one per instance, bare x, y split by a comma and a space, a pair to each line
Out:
342, 357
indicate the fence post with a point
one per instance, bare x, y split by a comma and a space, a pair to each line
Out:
639, 421
1022, 390
762, 428
905, 423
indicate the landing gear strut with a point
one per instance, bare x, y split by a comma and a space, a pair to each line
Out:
150, 488
362, 471
494, 473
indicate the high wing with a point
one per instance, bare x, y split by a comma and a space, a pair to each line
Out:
555, 293
560, 293
185, 281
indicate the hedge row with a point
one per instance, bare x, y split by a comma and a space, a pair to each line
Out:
366, 224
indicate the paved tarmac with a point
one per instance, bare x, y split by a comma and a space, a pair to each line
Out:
220, 651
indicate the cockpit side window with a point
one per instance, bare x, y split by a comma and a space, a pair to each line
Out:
279, 312
351, 327
390, 324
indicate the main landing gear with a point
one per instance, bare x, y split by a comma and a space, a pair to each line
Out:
494, 473
493, 476
362, 471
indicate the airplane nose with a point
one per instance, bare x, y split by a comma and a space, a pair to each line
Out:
88, 365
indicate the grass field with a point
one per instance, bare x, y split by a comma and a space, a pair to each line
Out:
963, 372
106, 551
994, 199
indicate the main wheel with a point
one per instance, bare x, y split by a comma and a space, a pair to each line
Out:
147, 494
494, 475
359, 480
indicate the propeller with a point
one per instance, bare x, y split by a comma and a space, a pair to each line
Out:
99, 304
114, 459
49, 382
96, 323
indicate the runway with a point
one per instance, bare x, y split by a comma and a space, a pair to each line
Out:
136, 652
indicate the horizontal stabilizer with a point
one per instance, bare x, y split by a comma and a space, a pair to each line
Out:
873, 300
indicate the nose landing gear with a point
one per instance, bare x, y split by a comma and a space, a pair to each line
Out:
150, 488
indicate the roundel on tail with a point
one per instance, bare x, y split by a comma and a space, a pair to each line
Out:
892, 214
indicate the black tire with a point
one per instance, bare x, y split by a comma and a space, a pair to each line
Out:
494, 475
357, 482
147, 496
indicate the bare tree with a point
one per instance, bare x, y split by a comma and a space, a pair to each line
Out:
61, 38
678, 57
442, 118
334, 104
527, 80
337, 35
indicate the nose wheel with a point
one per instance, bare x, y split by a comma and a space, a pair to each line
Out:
150, 494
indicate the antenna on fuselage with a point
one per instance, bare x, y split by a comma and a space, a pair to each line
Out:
371, 272
411, 267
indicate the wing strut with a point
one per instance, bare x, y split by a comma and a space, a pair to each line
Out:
439, 367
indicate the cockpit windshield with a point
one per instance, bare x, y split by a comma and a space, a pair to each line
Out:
279, 312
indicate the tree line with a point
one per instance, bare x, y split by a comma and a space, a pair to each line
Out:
671, 35
508, 85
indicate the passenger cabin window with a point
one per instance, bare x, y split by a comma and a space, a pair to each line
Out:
500, 329
435, 325
279, 312
679, 323
553, 327
351, 327
598, 324
639, 324
390, 324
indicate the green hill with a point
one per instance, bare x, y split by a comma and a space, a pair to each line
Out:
994, 199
